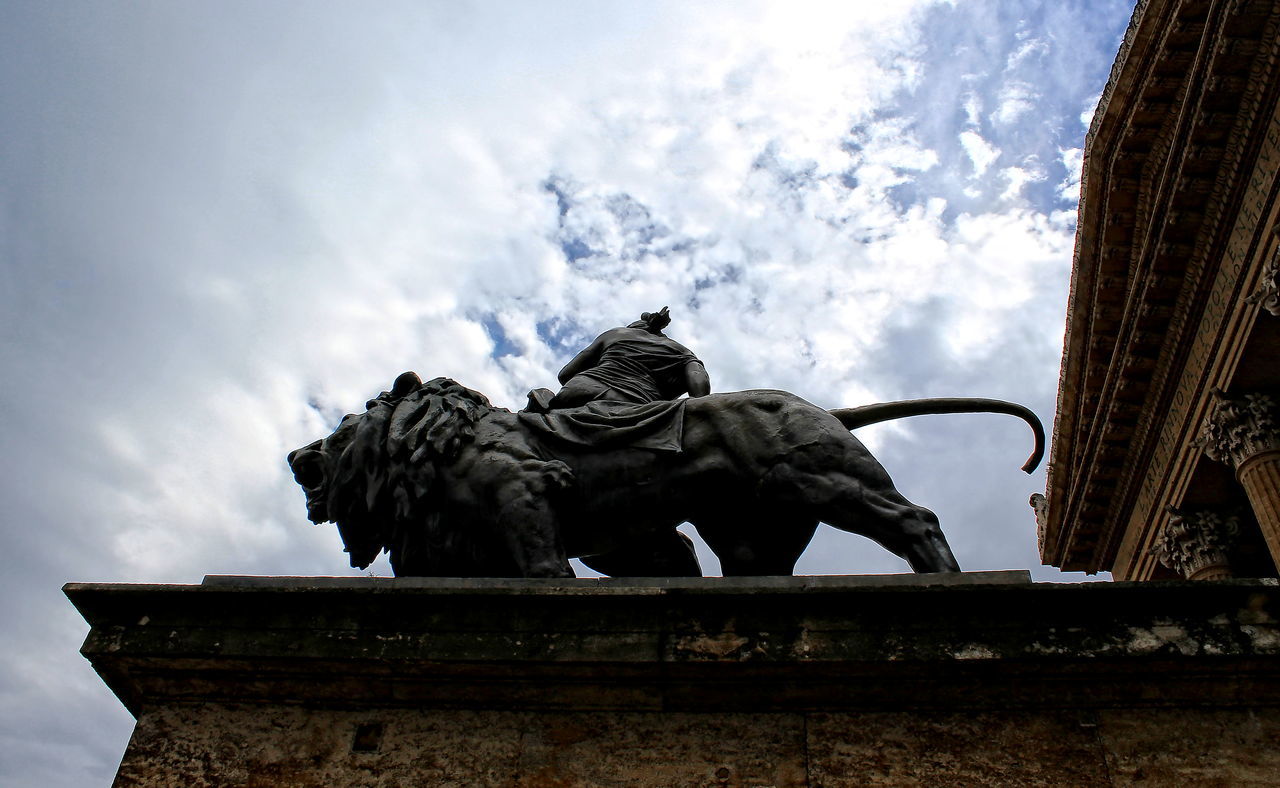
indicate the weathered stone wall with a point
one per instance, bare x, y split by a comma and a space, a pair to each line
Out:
217, 745
972, 679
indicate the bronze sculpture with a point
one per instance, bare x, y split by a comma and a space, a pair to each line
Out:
636, 363
451, 486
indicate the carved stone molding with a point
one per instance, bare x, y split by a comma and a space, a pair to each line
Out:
1268, 293
1040, 505
1240, 427
1196, 543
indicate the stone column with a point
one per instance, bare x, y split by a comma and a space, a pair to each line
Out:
1244, 432
1195, 543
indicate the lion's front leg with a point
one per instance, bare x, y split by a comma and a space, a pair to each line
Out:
526, 516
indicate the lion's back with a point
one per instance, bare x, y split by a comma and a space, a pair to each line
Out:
760, 408
761, 424
734, 435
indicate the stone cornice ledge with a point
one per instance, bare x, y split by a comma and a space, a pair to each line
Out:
973, 640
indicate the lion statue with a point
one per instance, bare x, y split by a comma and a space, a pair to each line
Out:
451, 486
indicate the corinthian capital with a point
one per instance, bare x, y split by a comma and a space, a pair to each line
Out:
1195, 541
1239, 427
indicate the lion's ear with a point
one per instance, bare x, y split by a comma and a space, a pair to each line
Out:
405, 384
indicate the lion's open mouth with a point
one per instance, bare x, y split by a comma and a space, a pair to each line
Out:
307, 465
361, 549
362, 558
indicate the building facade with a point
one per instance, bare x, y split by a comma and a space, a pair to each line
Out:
1166, 446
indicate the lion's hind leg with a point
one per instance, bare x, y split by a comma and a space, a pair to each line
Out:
860, 498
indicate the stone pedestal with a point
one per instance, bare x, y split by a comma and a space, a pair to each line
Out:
971, 679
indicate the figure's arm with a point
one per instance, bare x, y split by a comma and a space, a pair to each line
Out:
697, 379
585, 360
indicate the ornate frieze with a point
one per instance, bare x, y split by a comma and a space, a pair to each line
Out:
1240, 427
1196, 543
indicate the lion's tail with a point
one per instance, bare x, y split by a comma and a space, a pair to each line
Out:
853, 418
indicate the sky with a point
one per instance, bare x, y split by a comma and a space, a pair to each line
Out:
223, 225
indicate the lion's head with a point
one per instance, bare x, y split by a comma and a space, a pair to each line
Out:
374, 475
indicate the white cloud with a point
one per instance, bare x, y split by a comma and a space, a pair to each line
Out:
1073, 160
1030, 48
973, 108
1018, 177
980, 152
1090, 106
1016, 99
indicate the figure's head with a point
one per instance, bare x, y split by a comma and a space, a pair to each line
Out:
653, 322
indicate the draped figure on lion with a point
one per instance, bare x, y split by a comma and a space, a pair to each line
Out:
607, 468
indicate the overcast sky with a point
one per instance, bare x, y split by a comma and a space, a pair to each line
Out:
226, 224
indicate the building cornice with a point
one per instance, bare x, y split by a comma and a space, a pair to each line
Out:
1162, 170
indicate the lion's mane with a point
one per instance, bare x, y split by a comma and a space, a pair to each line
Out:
379, 467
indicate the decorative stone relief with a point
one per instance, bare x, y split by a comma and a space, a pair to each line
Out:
1239, 427
1268, 293
1195, 541
1040, 505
